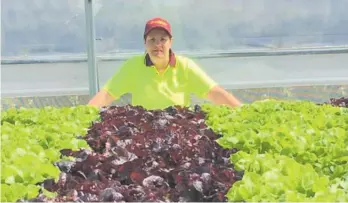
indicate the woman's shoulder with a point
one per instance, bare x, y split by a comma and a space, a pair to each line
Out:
139, 58
182, 58
185, 62
133, 62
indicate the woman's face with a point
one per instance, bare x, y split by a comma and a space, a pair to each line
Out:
158, 43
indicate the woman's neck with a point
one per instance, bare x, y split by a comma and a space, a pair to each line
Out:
161, 64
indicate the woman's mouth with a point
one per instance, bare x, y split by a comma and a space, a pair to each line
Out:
157, 51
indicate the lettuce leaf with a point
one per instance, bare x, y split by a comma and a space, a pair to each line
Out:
30, 144
289, 150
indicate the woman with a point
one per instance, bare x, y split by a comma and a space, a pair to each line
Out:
159, 78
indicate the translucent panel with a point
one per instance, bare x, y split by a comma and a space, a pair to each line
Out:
49, 79
42, 27
225, 24
263, 71
44, 30
54, 31
46, 27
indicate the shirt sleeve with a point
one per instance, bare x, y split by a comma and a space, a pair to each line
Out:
199, 82
121, 82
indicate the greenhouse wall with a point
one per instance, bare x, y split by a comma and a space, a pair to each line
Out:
268, 48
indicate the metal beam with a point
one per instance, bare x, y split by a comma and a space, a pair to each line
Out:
78, 58
90, 32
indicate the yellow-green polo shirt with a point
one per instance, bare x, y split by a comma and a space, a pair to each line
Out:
152, 90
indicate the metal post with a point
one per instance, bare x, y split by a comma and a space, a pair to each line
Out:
90, 31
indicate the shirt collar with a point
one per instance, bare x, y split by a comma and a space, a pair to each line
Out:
172, 59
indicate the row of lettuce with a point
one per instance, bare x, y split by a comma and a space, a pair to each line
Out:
30, 144
288, 150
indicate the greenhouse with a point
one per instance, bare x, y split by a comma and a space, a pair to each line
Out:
286, 63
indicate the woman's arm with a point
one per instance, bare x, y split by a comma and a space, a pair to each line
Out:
205, 87
120, 83
218, 95
101, 99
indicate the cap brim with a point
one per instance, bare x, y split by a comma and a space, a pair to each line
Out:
160, 27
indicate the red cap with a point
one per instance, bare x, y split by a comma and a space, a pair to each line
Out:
158, 23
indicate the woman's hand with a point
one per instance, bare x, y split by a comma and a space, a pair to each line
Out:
101, 99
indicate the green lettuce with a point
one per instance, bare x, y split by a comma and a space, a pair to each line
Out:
289, 150
30, 144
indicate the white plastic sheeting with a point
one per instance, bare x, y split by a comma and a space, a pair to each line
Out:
234, 26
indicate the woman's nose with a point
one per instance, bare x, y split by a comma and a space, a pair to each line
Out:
158, 42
